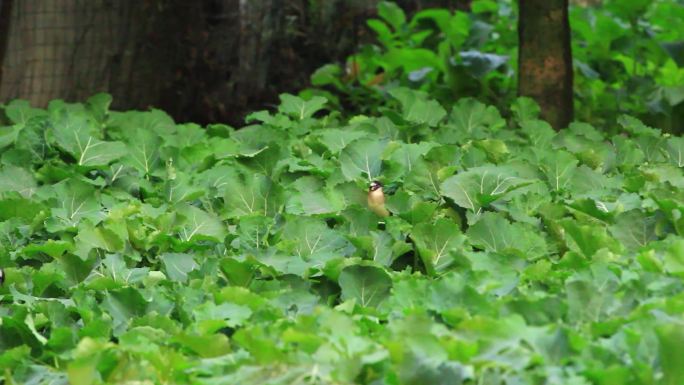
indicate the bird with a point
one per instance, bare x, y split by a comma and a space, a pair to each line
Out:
376, 199
2, 276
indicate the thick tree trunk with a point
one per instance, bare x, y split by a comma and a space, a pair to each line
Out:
545, 58
71, 49
5, 16
203, 61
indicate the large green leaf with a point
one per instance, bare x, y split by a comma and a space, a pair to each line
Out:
362, 159
300, 108
478, 187
336, 139
634, 229
493, 232
417, 108
17, 179
368, 285
438, 244
670, 337
200, 225
587, 239
178, 265
311, 240
559, 168
77, 135
392, 13
310, 196
74, 201
470, 119
246, 194
142, 151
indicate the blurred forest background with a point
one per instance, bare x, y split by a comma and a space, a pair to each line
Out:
218, 60
201, 61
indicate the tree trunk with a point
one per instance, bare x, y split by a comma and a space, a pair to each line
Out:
71, 49
5, 15
545, 58
203, 61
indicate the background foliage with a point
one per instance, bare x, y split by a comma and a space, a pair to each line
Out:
628, 58
140, 250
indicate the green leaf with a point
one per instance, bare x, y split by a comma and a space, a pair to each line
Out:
327, 74
253, 231
123, 305
368, 285
392, 14
300, 108
493, 232
496, 150
179, 187
206, 346
478, 187
382, 30
417, 108
480, 64
311, 240
115, 265
77, 201
8, 135
20, 112
17, 179
14, 207
142, 151
673, 262
230, 314
178, 265
362, 158
311, 197
246, 194
590, 294
336, 140
470, 119
634, 229
670, 339
438, 244
53, 248
525, 109
79, 137
98, 106
539, 133
675, 149
588, 239
101, 237
635, 127
559, 168
82, 370
200, 225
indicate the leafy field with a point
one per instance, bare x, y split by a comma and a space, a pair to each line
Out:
138, 250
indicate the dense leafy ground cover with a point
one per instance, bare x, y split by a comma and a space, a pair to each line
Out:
137, 249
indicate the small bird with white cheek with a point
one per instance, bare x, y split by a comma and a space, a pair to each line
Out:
376, 199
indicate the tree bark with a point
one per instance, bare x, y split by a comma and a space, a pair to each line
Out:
5, 15
203, 61
545, 58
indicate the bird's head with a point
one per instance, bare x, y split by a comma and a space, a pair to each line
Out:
374, 185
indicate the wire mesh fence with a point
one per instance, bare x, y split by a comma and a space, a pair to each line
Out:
200, 60
62, 48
